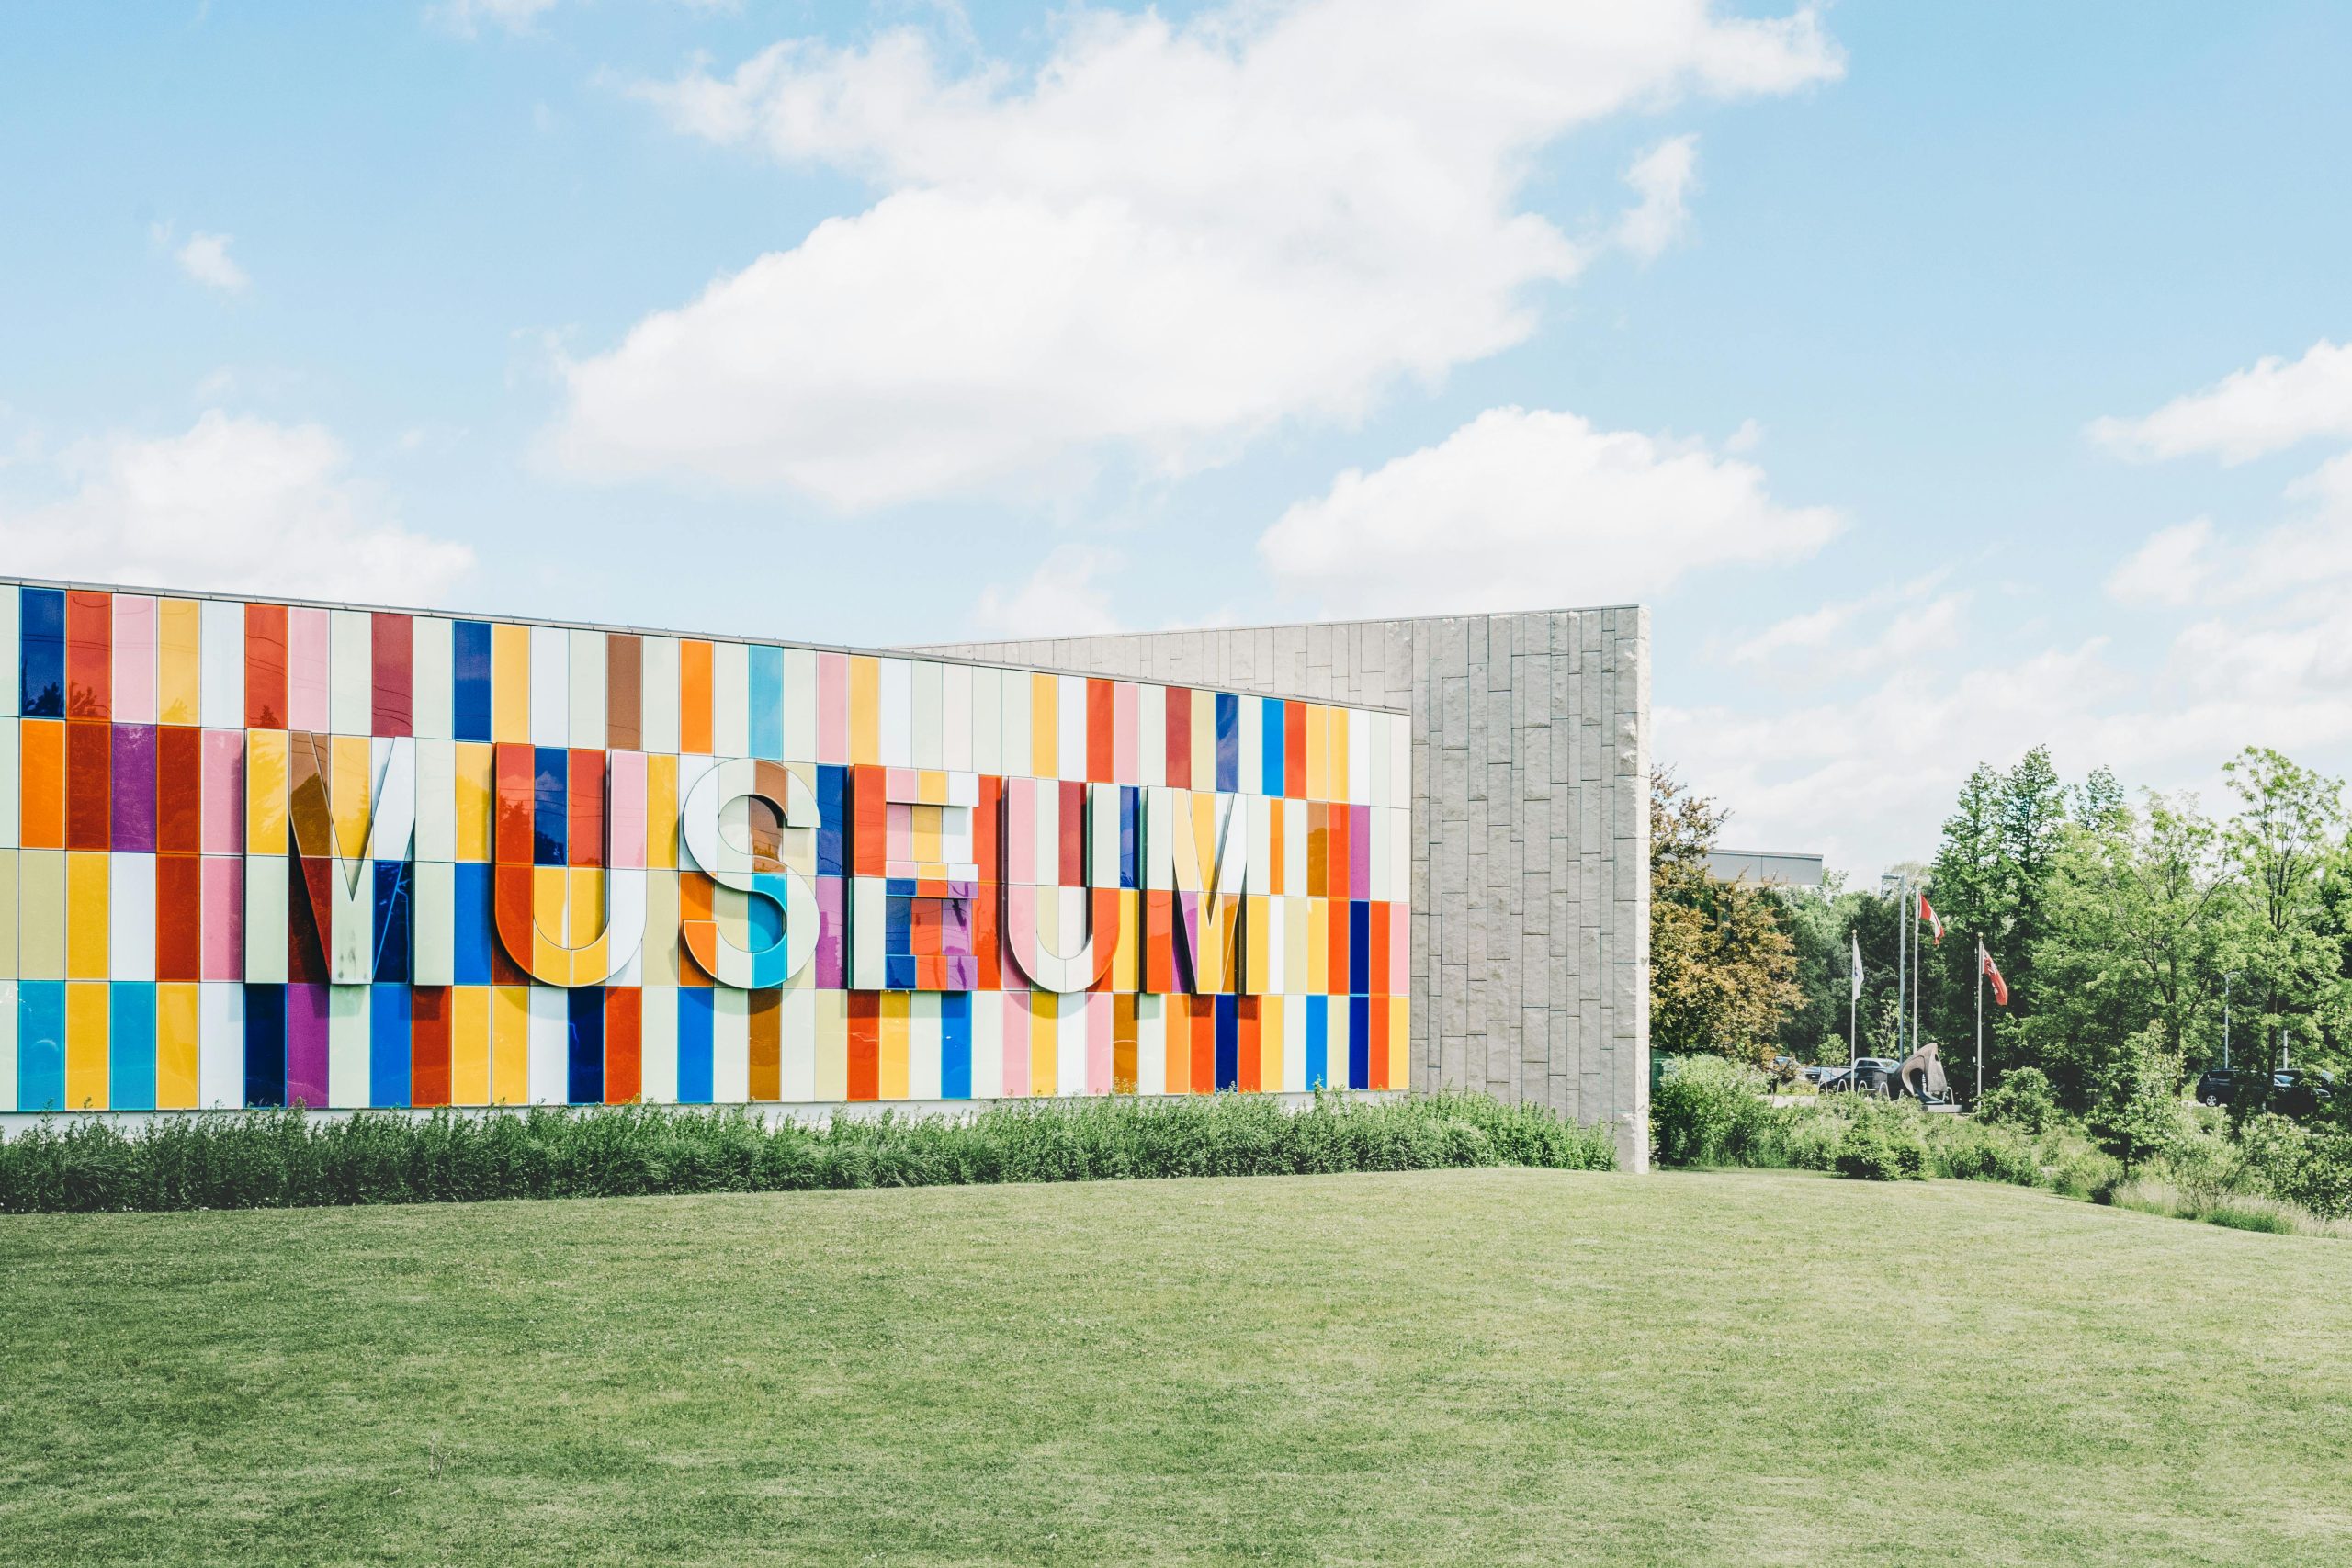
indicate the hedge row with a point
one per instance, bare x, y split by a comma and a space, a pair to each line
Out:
290, 1160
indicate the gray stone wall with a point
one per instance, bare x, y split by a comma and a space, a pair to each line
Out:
1531, 826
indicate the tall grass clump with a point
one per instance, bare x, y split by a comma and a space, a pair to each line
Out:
287, 1160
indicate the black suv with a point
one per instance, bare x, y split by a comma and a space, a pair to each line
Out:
2216, 1085
2301, 1091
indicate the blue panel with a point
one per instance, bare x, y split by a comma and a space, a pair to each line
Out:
1269, 745
587, 1076
833, 787
1130, 814
1228, 741
387, 1045
469, 700
477, 923
392, 915
264, 1045
955, 1046
1228, 1041
898, 972
130, 1045
41, 675
1319, 1040
1359, 1041
767, 702
1359, 948
550, 819
694, 1044
40, 1042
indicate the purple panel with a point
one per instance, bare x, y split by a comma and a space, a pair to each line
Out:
956, 922
306, 1046
1359, 849
830, 973
134, 787
963, 973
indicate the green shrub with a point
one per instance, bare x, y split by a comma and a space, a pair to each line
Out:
1881, 1148
1705, 1110
2023, 1099
1981, 1153
284, 1159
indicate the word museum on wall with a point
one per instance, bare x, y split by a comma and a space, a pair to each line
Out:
259, 853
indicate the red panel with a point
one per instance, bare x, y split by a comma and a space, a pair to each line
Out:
265, 667
179, 917
988, 829
89, 804
1336, 858
89, 654
585, 823
624, 1045
428, 1042
517, 798
1180, 738
1379, 1043
1376, 960
395, 651
1160, 943
869, 820
307, 890
865, 1045
1073, 828
1204, 1011
179, 791
1294, 748
1336, 968
1098, 731
1103, 909
1252, 1076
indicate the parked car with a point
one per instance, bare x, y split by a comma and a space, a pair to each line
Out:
2301, 1091
2215, 1086
1870, 1075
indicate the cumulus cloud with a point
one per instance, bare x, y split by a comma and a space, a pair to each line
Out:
206, 258
2169, 569
1064, 597
232, 505
2269, 407
1661, 178
1166, 239
1521, 508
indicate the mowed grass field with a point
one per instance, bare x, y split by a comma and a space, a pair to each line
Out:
1467, 1367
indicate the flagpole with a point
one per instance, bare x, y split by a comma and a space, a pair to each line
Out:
1915, 974
1980, 1018
1902, 966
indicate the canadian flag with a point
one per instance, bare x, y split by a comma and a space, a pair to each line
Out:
1927, 913
1992, 971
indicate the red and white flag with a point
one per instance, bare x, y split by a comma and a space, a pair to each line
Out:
1927, 913
1992, 971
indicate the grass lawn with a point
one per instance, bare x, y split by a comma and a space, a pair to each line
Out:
1472, 1367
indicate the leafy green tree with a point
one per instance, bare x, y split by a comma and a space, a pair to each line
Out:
1721, 959
1824, 928
2135, 1110
1991, 879
2288, 833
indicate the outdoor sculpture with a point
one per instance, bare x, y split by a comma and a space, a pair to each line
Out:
1922, 1076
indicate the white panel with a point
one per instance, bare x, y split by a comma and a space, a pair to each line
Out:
219, 1043
658, 1045
987, 1045
587, 681
436, 800
1151, 734
8, 1031
1070, 1029
922, 1044
1295, 847
1275, 981
266, 920
1379, 856
987, 723
10, 655
660, 715
955, 717
549, 1073
731, 1045
431, 679
1359, 758
1069, 704
799, 704
730, 699
11, 763
896, 736
351, 675
1016, 756
798, 1026
1400, 762
347, 1046
925, 682
131, 906
1295, 1043
222, 693
551, 686
1151, 1043
1251, 747
1401, 854
433, 953
1261, 865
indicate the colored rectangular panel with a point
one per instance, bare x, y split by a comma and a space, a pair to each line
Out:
132, 787
432, 677
390, 1044
584, 1042
130, 1045
178, 1046
392, 700
624, 691
510, 682
89, 654
309, 657
134, 659
764, 675
87, 1026
585, 697
624, 1060
470, 680
40, 802
40, 691
265, 653
694, 1032
179, 661
89, 764
40, 1045
694, 697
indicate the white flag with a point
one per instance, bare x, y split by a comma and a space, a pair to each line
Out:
1857, 965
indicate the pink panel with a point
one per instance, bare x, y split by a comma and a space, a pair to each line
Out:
1359, 849
627, 783
134, 659
1020, 830
224, 792
1127, 766
306, 670
832, 707
1016, 1043
1098, 1041
224, 918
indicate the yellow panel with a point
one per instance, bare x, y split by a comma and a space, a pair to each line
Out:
660, 928
1044, 1070
832, 1044
661, 813
1044, 726
85, 915
179, 662
477, 784
585, 912
86, 1022
470, 1046
896, 1009
1335, 762
7, 919
1270, 1044
1258, 962
176, 1040
1400, 1059
510, 682
40, 914
265, 792
1295, 945
864, 710
510, 1044
348, 795
1126, 958
1317, 737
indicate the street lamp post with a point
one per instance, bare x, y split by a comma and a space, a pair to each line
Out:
2226, 980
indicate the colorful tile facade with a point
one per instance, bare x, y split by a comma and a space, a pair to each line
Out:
257, 855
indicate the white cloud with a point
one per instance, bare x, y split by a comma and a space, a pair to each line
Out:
1524, 508
206, 258
1064, 597
232, 505
2169, 569
2270, 406
1661, 178
1167, 239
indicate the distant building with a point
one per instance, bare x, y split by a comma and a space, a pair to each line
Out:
1766, 868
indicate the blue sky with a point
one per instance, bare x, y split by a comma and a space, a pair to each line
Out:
904, 323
